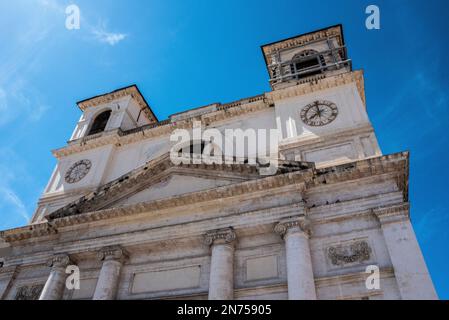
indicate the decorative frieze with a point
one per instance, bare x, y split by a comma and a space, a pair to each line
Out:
132, 91
164, 127
393, 214
31, 292
357, 252
395, 164
31, 231
301, 40
322, 84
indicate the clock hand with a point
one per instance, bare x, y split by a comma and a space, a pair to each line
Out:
313, 116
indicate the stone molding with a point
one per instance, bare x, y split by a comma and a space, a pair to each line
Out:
322, 84
316, 141
392, 214
116, 253
142, 177
226, 111
300, 222
33, 231
121, 138
396, 164
220, 236
131, 91
302, 40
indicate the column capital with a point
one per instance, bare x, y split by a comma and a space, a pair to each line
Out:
299, 222
391, 214
60, 261
220, 236
112, 253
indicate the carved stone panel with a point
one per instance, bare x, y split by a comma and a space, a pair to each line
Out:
29, 292
349, 253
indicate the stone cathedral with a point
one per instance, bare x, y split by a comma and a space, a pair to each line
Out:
138, 226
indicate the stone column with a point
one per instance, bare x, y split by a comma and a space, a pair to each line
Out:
410, 269
300, 280
113, 258
55, 285
221, 282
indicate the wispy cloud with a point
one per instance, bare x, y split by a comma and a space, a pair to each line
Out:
13, 173
8, 196
100, 33
108, 37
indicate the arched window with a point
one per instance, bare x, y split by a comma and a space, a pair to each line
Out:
100, 122
306, 63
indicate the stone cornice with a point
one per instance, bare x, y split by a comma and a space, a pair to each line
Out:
296, 142
143, 177
7, 271
191, 198
304, 39
395, 164
322, 84
119, 138
224, 112
131, 91
392, 214
31, 231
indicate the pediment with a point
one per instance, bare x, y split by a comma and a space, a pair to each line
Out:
158, 179
175, 184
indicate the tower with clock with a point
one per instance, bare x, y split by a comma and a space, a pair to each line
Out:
319, 100
139, 226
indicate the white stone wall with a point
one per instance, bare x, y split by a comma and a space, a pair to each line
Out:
168, 259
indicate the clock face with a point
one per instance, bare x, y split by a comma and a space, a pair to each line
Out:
319, 113
78, 171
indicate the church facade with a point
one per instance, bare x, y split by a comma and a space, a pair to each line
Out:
331, 221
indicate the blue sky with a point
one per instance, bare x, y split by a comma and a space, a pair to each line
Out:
184, 54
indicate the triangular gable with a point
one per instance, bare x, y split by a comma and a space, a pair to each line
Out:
151, 177
174, 185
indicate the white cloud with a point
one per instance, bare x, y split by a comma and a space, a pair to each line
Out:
11, 199
14, 175
100, 33
108, 37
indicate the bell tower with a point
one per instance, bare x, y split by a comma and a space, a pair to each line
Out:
314, 55
83, 164
123, 109
320, 106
